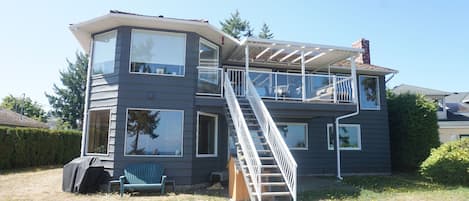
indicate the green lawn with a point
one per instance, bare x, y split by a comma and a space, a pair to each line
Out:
396, 187
45, 184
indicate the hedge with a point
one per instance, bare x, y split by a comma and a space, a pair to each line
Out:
449, 163
413, 128
31, 147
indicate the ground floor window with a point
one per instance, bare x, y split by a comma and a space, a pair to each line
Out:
294, 134
349, 137
154, 132
98, 131
207, 134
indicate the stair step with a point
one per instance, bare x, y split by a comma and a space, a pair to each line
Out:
266, 158
265, 151
269, 174
271, 184
269, 166
275, 194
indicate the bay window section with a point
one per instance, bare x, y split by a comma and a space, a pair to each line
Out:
369, 92
154, 132
104, 51
207, 134
294, 134
349, 137
209, 75
98, 132
156, 52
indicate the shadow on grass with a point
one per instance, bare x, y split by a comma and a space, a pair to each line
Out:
328, 188
321, 188
200, 192
396, 183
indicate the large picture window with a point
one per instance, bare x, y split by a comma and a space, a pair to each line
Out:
349, 137
156, 52
207, 134
369, 92
154, 132
98, 131
294, 134
104, 51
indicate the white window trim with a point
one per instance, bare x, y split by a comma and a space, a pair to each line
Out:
359, 136
108, 133
212, 45
99, 75
306, 135
378, 92
163, 33
197, 136
154, 156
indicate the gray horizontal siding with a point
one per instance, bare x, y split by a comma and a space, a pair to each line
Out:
158, 92
202, 167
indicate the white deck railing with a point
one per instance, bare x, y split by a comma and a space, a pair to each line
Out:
244, 138
279, 148
288, 86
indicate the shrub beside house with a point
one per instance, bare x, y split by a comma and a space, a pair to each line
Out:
413, 129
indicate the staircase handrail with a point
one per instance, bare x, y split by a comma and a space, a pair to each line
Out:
279, 148
253, 161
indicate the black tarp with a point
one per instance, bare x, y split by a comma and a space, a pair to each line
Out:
83, 175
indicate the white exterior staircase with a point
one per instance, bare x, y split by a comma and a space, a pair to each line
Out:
267, 164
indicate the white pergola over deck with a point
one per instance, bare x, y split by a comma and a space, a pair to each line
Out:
291, 55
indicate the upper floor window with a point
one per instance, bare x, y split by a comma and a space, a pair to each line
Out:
156, 52
208, 54
104, 51
369, 92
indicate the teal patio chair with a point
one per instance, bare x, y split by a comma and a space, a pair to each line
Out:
145, 176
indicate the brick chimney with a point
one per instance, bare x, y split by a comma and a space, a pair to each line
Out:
364, 57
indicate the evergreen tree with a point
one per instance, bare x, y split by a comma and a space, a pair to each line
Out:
68, 102
24, 106
265, 32
236, 27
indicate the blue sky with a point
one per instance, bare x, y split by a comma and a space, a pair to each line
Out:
427, 41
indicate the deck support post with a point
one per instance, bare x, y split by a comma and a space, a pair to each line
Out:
246, 55
303, 74
354, 80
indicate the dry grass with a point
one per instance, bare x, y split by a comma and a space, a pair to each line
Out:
47, 185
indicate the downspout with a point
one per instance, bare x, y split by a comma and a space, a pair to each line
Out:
357, 111
85, 109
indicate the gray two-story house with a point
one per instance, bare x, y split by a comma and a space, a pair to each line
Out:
183, 94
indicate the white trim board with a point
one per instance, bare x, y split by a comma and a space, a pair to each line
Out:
197, 136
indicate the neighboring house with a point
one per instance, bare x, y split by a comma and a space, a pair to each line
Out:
452, 113
180, 93
12, 119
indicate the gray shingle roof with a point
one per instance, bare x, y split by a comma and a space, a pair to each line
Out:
405, 88
10, 118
